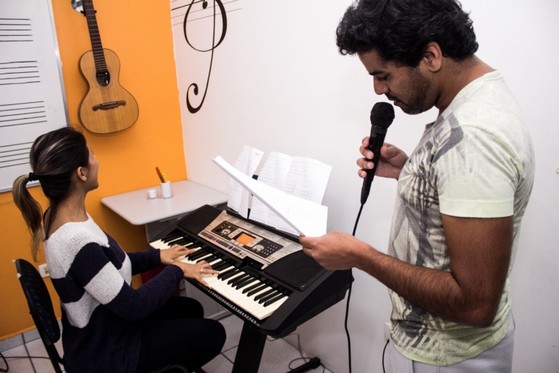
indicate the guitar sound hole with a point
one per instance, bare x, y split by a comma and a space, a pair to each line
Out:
103, 78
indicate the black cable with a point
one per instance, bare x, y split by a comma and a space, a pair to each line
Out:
347, 329
357, 219
383, 352
27, 351
23, 357
308, 362
349, 297
5, 363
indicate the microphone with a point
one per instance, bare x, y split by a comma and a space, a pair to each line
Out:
382, 115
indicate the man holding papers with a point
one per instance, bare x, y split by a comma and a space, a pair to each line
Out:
461, 193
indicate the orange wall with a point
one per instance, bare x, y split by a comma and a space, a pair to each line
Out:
140, 33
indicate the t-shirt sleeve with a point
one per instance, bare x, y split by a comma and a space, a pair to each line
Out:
477, 177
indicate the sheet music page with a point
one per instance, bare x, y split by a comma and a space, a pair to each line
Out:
298, 176
247, 162
275, 169
302, 216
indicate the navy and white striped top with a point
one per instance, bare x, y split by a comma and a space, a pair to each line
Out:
101, 313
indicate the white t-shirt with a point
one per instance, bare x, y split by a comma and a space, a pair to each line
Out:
476, 160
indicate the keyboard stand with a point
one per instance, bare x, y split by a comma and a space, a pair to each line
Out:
250, 349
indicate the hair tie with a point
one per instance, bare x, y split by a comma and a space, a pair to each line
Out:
33, 176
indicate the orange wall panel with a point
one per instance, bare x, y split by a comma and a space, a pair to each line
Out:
139, 32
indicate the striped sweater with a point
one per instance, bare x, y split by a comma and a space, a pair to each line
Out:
101, 313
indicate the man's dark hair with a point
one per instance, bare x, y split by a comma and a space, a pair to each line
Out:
400, 30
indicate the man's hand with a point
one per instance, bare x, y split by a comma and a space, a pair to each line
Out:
392, 159
334, 250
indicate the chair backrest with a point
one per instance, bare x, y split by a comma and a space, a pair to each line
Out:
41, 309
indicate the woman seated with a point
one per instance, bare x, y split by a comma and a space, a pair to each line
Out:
107, 325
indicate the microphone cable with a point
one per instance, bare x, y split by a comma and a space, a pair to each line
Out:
382, 115
348, 336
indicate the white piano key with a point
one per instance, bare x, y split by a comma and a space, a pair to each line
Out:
246, 302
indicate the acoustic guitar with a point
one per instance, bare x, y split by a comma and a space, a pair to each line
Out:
107, 107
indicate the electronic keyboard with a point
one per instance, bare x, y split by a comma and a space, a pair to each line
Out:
264, 276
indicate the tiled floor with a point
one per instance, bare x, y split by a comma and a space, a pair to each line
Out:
279, 356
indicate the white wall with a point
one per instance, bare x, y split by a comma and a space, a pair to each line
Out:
279, 84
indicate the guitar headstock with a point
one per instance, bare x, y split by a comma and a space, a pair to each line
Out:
77, 5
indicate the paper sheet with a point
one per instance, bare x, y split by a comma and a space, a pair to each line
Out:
298, 176
302, 216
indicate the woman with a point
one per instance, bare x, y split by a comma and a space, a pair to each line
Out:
108, 326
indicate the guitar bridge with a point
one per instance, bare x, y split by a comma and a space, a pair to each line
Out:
109, 105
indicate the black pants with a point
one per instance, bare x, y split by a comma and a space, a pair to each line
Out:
178, 334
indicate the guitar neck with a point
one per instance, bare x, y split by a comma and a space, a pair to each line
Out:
95, 37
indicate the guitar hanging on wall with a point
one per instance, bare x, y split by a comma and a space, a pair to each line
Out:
107, 107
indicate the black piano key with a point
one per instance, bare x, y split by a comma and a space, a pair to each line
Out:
221, 265
269, 296
235, 280
243, 283
198, 254
225, 275
172, 236
263, 294
171, 242
224, 270
253, 286
256, 290
273, 299
184, 242
204, 258
215, 257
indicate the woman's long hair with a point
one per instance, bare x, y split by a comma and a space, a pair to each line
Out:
54, 156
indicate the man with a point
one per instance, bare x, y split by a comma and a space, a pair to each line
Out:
461, 193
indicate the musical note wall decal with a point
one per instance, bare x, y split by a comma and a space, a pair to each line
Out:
217, 38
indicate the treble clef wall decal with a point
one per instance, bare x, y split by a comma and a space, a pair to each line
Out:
194, 86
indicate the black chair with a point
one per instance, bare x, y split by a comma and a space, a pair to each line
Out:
41, 309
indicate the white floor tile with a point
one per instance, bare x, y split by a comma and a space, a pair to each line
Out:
220, 364
36, 348
279, 356
234, 326
18, 365
43, 365
22, 364
16, 351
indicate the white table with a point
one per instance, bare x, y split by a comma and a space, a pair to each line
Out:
157, 213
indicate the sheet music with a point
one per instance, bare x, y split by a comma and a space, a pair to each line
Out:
298, 176
300, 215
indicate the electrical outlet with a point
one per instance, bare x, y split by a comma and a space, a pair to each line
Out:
43, 270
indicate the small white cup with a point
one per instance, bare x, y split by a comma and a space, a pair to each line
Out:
152, 194
166, 190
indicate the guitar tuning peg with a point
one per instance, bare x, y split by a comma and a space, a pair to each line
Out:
77, 5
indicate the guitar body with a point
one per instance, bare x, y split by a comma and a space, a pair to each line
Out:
107, 107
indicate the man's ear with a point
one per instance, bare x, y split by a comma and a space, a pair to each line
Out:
433, 57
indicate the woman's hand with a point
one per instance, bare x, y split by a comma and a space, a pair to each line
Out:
196, 271
392, 159
175, 252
